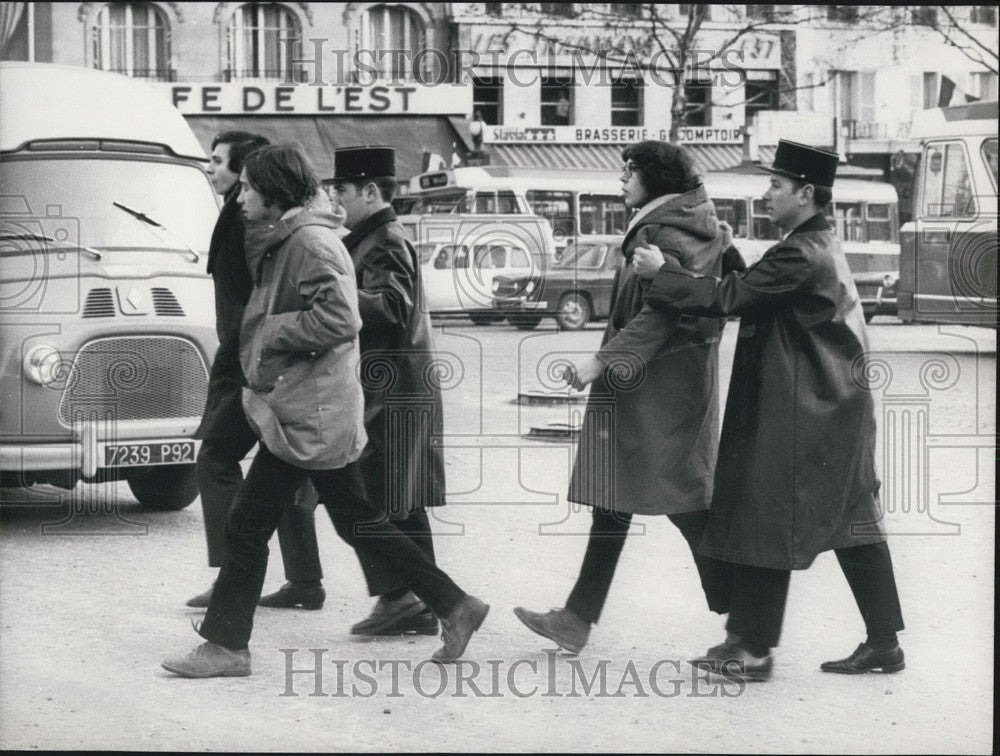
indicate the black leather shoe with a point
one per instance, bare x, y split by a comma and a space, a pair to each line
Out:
403, 615
201, 600
710, 657
867, 659
459, 625
558, 625
736, 663
294, 595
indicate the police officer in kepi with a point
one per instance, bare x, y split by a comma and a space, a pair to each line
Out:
796, 469
402, 465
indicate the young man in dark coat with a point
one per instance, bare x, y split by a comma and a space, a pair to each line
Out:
299, 350
402, 466
226, 435
796, 472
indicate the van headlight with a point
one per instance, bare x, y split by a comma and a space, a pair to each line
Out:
42, 364
530, 287
496, 286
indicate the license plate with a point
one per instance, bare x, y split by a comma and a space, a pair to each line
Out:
153, 453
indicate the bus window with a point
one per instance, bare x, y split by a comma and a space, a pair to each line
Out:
461, 257
733, 212
507, 203
848, 221
879, 222
486, 202
454, 201
762, 226
443, 258
556, 207
602, 214
990, 156
583, 255
947, 184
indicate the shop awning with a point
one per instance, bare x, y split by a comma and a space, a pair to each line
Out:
412, 136
607, 157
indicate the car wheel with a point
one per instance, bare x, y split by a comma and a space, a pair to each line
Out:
164, 487
481, 319
524, 322
574, 312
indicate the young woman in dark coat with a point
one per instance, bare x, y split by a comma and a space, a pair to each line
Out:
650, 434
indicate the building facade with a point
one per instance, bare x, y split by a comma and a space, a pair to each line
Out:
551, 84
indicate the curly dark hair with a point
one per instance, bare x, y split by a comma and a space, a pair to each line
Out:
282, 174
241, 144
663, 168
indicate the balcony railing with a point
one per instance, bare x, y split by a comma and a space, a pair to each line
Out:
267, 74
150, 74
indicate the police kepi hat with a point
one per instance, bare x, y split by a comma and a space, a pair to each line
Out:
353, 163
804, 163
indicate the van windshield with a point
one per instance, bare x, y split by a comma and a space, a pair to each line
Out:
83, 190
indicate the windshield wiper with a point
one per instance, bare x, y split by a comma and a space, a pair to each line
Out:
49, 240
154, 225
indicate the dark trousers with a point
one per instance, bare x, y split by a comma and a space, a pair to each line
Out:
219, 479
607, 538
380, 575
255, 514
759, 593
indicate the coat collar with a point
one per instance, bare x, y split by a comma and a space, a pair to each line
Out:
817, 222
368, 225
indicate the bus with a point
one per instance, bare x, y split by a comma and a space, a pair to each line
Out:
948, 264
576, 202
587, 206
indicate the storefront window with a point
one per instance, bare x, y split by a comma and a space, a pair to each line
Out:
697, 107
761, 92
132, 39
255, 51
557, 100
393, 34
626, 102
487, 98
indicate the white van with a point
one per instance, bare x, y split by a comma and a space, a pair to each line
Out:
106, 311
460, 256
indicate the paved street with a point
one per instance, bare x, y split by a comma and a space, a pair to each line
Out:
93, 590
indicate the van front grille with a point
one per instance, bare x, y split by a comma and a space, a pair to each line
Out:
100, 304
165, 303
135, 378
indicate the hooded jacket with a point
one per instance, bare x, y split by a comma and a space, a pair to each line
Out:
648, 443
299, 342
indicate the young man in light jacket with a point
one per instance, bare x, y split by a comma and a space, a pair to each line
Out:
299, 351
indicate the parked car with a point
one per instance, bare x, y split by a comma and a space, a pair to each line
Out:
106, 310
460, 257
575, 291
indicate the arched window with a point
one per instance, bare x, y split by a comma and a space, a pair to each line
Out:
393, 35
133, 39
255, 49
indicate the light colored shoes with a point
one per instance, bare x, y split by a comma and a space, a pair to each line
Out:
210, 660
